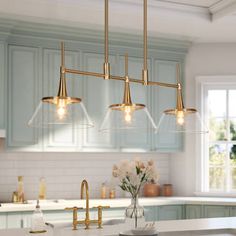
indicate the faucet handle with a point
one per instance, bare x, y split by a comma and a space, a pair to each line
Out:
75, 215
100, 214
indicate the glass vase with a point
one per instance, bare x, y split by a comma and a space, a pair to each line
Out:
134, 212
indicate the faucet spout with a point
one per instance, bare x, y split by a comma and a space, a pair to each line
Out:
84, 185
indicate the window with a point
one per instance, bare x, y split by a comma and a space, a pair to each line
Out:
218, 148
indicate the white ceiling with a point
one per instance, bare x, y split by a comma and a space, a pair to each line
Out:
195, 20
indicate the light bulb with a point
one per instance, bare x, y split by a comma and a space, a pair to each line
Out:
180, 117
128, 116
61, 108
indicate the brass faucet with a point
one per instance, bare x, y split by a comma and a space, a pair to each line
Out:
86, 221
84, 184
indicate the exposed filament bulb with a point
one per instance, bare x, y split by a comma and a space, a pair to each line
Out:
128, 114
61, 109
180, 117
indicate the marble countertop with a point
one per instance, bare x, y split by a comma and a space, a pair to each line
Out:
212, 226
116, 203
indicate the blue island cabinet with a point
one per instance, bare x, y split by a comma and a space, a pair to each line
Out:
3, 221
2, 85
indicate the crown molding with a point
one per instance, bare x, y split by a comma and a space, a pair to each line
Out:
11, 29
222, 9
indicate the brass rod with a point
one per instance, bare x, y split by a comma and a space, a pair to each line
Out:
106, 31
62, 54
117, 78
145, 34
163, 84
79, 72
178, 73
136, 81
126, 64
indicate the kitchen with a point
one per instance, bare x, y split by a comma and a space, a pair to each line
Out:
197, 35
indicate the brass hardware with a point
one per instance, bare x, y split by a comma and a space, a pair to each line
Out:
145, 70
106, 70
99, 221
75, 215
15, 197
86, 221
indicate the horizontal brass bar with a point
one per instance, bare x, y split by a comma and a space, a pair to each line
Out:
113, 77
163, 84
80, 72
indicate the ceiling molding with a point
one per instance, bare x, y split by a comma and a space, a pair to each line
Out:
222, 9
166, 5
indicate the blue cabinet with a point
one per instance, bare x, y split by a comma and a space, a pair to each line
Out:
194, 211
216, 211
2, 84
24, 85
3, 221
171, 212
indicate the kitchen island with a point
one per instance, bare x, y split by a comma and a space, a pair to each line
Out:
214, 226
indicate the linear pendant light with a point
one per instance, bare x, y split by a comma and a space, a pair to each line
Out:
63, 110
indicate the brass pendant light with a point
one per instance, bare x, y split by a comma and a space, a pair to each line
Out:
181, 119
62, 109
127, 115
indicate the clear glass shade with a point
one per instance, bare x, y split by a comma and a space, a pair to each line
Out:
134, 117
57, 111
186, 121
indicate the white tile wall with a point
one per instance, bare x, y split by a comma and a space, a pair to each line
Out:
65, 171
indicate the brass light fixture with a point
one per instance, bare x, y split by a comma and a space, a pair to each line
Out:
64, 107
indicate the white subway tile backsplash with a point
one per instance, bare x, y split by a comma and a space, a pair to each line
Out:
65, 171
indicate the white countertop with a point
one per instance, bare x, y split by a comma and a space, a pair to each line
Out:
116, 203
212, 226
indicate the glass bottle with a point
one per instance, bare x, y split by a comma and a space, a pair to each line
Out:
42, 189
20, 190
37, 221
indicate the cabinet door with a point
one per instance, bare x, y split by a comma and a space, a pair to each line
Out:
60, 137
3, 221
23, 96
232, 211
193, 211
2, 86
216, 211
165, 98
150, 213
170, 212
139, 140
15, 220
97, 96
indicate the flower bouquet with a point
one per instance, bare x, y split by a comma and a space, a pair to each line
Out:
131, 176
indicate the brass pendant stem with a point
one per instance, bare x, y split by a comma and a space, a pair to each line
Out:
179, 103
106, 31
145, 70
127, 95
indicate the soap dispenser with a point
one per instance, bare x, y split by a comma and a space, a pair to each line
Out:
37, 221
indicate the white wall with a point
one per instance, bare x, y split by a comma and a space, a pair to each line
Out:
202, 59
65, 171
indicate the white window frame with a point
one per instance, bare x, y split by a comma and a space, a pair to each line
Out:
203, 84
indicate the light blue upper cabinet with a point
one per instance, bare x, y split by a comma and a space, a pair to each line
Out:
23, 96
60, 137
2, 85
165, 98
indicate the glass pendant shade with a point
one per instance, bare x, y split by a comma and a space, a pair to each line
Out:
177, 121
60, 111
127, 115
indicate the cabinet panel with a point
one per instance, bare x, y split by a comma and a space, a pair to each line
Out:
150, 213
23, 95
60, 137
15, 220
170, 212
98, 95
232, 211
216, 211
165, 98
3, 221
2, 85
193, 211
